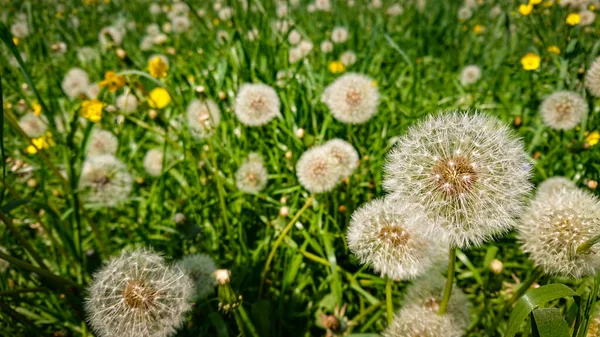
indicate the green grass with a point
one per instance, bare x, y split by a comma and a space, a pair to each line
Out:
415, 59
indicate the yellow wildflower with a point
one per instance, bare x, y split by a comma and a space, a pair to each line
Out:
593, 138
191, 79
92, 110
336, 67
15, 40
478, 29
535, 2
112, 81
592, 7
157, 67
531, 61
215, 22
548, 3
37, 109
554, 50
159, 98
573, 19
525, 9
44, 142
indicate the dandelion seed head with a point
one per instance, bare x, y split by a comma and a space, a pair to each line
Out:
200, 268
348, 58
317, 171
563, 110
555, 184
252, 175
294, 37
126, 103
344, 154
339, 35
469, 171
105, 180
110, 34
203, 117
20, 29
180, 24
470, 75
138, 294
464, 13
153, 162
256, 104
352, 98
592, 78
102, 142
34, 126
75, 82
395, 10
586, 17
554, 225
326, 46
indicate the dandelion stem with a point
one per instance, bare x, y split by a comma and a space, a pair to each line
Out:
525, 285
388, 300
287, 228
449, 281
247, 322
585, 247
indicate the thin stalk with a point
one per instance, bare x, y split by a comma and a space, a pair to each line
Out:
388, 300
283, 234
13, 229
525, 285
449, 281
247, 322
220, 190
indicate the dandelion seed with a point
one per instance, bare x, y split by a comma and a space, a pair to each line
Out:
225, 13
317, 170
251, 177
256, 104
395, 10
555, 184
102, 142
200, 268
586, 17
203, 117
344, 154
469, 171
464, 13
339, 35
388, 238
105, 180
348, 58
592, 78
153, 162
352, 98
20, 30
33, 125
127, 103
181, 24
470, 75
326, 47
554, 225
110, 34
138, 294
294, 37
75, 82
563, 110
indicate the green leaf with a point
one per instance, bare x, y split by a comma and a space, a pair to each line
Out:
550, 323
9, 206
534, 299
218, 324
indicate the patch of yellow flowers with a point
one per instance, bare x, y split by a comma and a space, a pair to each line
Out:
92, 110
157, 67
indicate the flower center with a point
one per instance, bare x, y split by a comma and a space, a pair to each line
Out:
454, 176
564, 109
353, 96
139, 296
432, 303
258, 103
395, 235
101, 181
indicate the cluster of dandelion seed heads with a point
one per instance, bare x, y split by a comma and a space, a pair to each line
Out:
202, 116
470, 74
127, 103
102, 142
105, 180
34, 126
345, 155
352, 98
388, 238
592, 78
469, 171
554, 225
428, 291
317, 170
200, 268
153, 162
555, 184
256, 104
75, 82
251, 177
138, 295
563, 110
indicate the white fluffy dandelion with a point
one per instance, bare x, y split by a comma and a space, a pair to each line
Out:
592, 78
137, 294
586, 17
554, 225
201, 269
352, 98
294, 37
127, 103
256, 104
395, 10
388, 238
464, 13
326, 47
153, 162
470, 75
110, 34
181, 24
555, 184
317, 170
469, 171
339, 35
563, 110
344, 154
105, 180
348, 58
20, 29
75, 82
93, 90
102, 142
251, 177
203, 117
34, 126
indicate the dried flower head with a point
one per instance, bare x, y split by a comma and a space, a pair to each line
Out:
251, 177
592, 78
153, 162
137, 294
563, 110
388, 238
317, 170
352, 98
102, 142
75, 82
200, 268
555, 184
470, 74
105, 180
345, 155
554, 225
256, 104
203, 117
33, 125
339, 35
469, 171
127, 103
